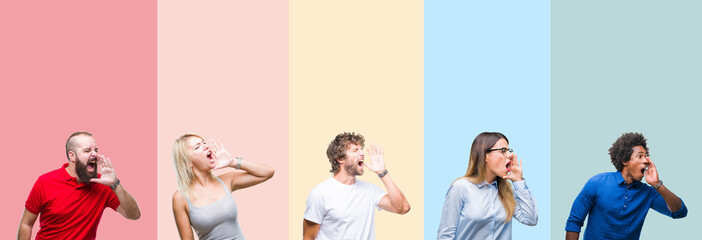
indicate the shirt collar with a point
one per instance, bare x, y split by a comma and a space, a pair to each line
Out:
621, 181
619, 178
64, 173
67, 177
485, 183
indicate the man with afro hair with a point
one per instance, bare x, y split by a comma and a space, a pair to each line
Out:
617, 202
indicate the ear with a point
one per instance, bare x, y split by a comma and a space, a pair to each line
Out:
71, 156
625, 163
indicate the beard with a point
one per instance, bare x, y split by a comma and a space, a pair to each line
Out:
353, 170
82, 171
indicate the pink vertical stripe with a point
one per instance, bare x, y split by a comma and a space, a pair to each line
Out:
223, 73
70, 66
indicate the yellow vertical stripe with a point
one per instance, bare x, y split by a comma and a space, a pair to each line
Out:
357, 66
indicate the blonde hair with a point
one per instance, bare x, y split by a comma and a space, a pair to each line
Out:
183, 164
477, 169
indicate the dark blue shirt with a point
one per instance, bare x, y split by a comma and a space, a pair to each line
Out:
617, 211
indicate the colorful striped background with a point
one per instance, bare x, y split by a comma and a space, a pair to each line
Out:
277, 80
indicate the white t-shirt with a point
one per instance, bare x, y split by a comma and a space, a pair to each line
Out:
344, 211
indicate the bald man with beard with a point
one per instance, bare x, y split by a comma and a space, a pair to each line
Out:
69, 201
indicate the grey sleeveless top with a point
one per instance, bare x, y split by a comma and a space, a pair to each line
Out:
217, 220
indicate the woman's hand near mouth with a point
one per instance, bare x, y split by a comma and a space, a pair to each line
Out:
221, 156
515, 169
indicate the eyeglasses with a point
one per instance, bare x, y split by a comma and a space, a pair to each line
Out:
503, 150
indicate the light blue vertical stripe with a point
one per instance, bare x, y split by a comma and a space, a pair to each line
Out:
487, 68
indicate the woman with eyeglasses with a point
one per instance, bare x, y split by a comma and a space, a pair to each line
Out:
481, 204
203, 200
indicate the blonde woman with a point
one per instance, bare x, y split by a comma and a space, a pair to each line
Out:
481, 204
203, 200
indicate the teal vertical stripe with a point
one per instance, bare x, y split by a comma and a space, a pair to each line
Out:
621, 66
487, 67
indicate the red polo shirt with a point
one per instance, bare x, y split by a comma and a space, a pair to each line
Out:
68, 209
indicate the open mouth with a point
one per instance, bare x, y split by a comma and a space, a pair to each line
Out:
643, 170
507, 165
360, 163
209, 155
92, 165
